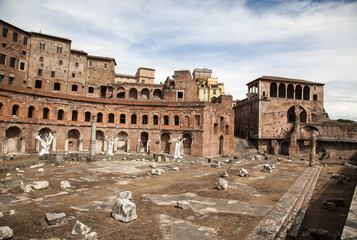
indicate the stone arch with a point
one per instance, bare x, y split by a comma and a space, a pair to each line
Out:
282, 90
15, 110
87, 116
155, 120
120, 92
73, 140
133, 93
30, 112
227, 129
145, 93
74, 115
306, 93
273, 89
290, 92
187, 144
291, 115
122, 145
99, 141
303, 115
284, 148
12, 141
157, 94
165, 142
298, 92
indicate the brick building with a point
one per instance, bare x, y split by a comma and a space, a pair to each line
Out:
47, 86
286, 116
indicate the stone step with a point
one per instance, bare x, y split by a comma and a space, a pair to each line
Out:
273, 222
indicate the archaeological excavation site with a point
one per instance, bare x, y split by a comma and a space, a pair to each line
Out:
88, 153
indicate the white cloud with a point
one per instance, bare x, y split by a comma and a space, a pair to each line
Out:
310, 40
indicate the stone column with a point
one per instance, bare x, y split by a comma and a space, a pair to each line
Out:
54, 142
128, 146
81, 144
4, 145
66, 142
23, 145
93, 136
37, 145
138, 147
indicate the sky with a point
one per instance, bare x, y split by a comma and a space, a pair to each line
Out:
314, 40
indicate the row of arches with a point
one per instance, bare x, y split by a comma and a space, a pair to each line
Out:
288, 91
131, 93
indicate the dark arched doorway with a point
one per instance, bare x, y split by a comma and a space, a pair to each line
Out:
284, 148
144, 137
122, 142
13, 140
165, 143
73, 140
221, 141
99, 141
187, 144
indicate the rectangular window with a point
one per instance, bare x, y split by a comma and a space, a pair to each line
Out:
4, 32
90, 90
12, 62
53, 74
25, 41
73, 75
11, 80
90, 63
60, 62
2, 59
23, 52
3, 45
74, 88
38, 84
39, 73
105, 65
42, 45
57, 86
22, 66
1, 77
41, 59
59, 49
14, 37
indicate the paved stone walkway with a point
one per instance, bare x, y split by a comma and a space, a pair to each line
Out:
350, 229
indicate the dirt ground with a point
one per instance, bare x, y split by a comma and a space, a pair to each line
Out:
95, 186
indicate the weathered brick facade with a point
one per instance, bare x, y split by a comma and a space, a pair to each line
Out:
286, 116
63, 88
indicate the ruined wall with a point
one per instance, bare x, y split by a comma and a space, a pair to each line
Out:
14, 50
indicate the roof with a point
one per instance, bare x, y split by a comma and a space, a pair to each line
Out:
79, 51
17, 28
102, 58
51, 36
124, 75
282, 79
147, 68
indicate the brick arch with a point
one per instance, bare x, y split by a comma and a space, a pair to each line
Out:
187, 143
133, 93
165, 137
12, 142
74, 138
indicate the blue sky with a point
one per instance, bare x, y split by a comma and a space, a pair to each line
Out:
239, 40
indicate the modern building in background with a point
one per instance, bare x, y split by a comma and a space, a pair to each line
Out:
208, 88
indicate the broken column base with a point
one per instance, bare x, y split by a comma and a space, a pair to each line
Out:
124, 210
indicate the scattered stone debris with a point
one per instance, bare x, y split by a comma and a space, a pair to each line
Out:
157, 171
215, 165
273, 166
267, 168
40, 170
153, 165
224, 174
6, 232
12, 212
1, 214
124, 210
55, 218
222, 184
91, 236
40, 185
350, 166
316, 234
80, 229
37, 165
329, 205
280, 159
8, 174
258, 157
125, 195
243, 173
183, 204
175, 169
65, 184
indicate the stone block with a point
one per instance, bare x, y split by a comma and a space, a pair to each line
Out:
125, 195
183, 204
91, 236
40, 185
65, 184
6, 232
55, 218
243, 173
124, 210
175, 169
157, 171
222, 184
80, 229
224, 174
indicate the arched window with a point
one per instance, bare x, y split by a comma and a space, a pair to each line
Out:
290, 94
74, 115
133, 93
155, 120
306, 93
111, 118
282, 90
315, 97
30, 112
273, 89
1, 108
15, 110
87, 116
122, 118
177, 120
145, 93
46, 113
145, 119
291, 115
215, 128
298, 92
133, 119
187, 120
60, 114
121, 92
157, 94
99, 117
227, 129
166, 120
38, 84
303, 116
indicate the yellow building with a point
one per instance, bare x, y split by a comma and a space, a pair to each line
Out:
208, 88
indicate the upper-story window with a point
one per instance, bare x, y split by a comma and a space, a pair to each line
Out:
22, 66
39, 72
41, 59
53, 74
14, 36
25, 41
76, 64
105, 65
59, 49
2, 76
60, 62
2, 59
12, 62
42, 45
90, 63
4, 32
